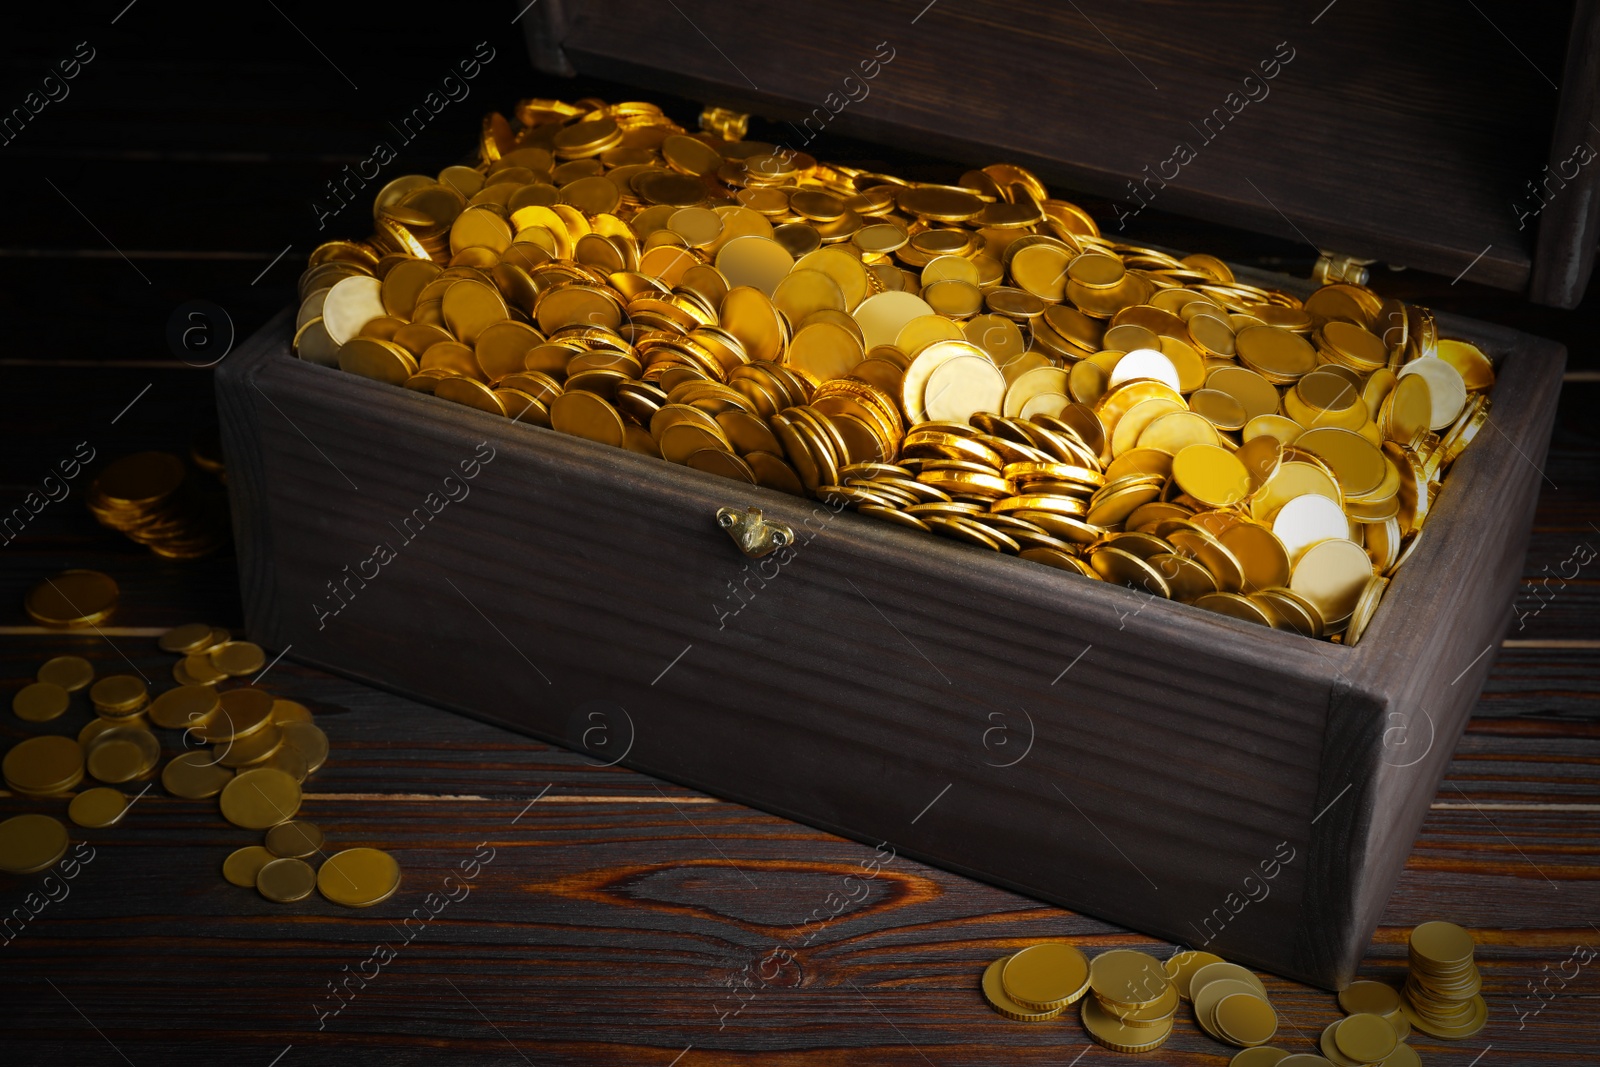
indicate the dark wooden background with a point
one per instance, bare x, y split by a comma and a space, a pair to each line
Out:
621, 920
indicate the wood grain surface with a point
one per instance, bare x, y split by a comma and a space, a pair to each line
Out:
614, 925
1357, 139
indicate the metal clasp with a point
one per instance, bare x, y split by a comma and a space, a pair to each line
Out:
726, 123
755, 536
1340, 267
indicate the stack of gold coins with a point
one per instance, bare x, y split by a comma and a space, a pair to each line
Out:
1231, 1004
119, 696
975, 360
1443, 992
1133, 1001
71, 599
210, 654
1037, 983
154, 499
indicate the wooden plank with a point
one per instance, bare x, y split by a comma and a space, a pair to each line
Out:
660, 945
1167, 68
1568, 208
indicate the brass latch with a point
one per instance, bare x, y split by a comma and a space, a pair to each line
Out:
755, 536
726, 123
1339, 267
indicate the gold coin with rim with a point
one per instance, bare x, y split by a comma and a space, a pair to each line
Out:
71, 673
286, 880
98, 807
260, 798
359, 877
39, 702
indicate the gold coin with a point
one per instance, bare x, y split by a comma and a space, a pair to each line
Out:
359, 877
1181, 968
823, 351
1147, 1015
243, 864
1402, 1056
289, 760
30, 843
1262, 557
351, 303
1214, 992
98, 807
244, 711
883, 315
199, 670
296, 839
183, 707
1211, 474
1130, 978
71, 673
195, 776
1274, 353
39, 702
1356, 463
261, 797
251, 748
994, 992
309, 741
586, 415
1246, 1019
1446, 390
962, 386
41, 766
1235, 605
1260, 1056
1441, 943
285, 711
118, 694
72, 598
191, 637
382, 361
122, 754
1308, 520
285, 881
1108, 1030
1332, 575
236, 658
1212, 972
1477, 373
1365, 1038
1050, 975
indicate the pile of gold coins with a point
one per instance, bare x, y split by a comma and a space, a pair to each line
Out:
1037, 983
155, 499
1443, 993
1133, 1001
242, 745
1230, 1003
973, 360
1374, 1024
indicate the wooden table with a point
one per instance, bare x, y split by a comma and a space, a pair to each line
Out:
608, 917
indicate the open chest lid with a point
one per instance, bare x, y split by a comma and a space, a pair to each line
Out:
1417, 134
